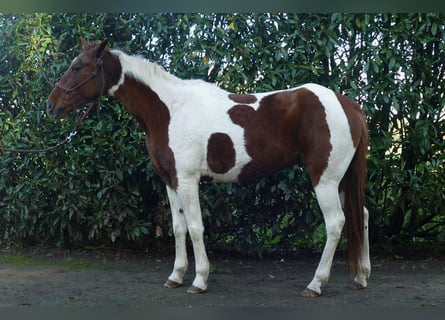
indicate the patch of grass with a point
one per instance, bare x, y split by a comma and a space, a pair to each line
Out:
73, 264
18, 260
67, 263
215, 269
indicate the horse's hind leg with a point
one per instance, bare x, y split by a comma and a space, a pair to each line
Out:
329, 201
364, 270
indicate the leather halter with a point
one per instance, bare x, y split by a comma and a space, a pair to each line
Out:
99, 64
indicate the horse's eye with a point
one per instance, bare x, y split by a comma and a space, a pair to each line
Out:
75, 69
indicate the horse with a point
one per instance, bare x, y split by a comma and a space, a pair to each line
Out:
196, 130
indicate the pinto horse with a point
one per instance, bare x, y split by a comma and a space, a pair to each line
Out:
196, 130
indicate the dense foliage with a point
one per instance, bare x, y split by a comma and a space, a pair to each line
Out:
100, 188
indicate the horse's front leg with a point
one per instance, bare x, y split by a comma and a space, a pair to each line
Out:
180, 233
188, 217
188, 192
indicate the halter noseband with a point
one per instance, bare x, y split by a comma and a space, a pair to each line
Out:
99, 64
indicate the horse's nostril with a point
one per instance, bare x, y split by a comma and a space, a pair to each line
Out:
49, 107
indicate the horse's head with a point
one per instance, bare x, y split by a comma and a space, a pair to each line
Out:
84, 81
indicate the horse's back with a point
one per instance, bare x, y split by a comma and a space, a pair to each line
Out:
245, 137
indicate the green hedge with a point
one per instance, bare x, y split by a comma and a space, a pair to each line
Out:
100, 188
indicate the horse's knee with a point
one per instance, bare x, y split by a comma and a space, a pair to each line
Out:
179, 229
196, 232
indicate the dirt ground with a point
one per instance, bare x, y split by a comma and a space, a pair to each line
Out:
38, 277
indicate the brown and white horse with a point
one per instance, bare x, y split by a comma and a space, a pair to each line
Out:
195, 130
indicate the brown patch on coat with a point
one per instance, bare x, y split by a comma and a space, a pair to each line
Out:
242, 98
220, 153
154, 118
288, 126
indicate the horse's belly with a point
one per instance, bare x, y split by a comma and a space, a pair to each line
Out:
230, 175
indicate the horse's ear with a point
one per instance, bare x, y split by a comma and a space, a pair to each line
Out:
85, 44
100, 48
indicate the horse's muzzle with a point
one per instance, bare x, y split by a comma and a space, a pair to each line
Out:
52, 112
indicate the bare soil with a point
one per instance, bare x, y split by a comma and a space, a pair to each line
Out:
67, 278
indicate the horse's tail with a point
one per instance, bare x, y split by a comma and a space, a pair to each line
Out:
353, 186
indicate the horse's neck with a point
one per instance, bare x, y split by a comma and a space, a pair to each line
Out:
151, 75
147, 91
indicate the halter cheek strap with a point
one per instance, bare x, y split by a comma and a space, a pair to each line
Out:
99, 63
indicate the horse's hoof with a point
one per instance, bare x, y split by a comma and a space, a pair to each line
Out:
357, 286
308, 293
195, 290
171, 284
